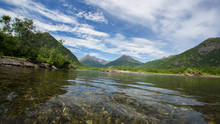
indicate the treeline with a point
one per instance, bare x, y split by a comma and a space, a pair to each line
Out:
19, 38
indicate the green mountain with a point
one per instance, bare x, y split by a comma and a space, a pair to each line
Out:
205, 55
50, 42
124, 61
93, 61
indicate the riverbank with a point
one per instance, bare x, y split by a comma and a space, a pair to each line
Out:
186, 74
21, 62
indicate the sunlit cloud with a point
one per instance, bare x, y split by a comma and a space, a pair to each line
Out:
97, 16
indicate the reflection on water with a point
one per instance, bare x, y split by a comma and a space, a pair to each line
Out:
89, 97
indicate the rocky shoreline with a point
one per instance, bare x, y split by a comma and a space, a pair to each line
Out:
20, 62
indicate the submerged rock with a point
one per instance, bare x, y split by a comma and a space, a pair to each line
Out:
11, 96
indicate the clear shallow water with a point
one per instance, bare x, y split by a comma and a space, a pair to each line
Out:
41, 96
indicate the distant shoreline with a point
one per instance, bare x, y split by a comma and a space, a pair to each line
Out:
19, 62
165, 74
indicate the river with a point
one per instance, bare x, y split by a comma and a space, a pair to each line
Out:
92, 97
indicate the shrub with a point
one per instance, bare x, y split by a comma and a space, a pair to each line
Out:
193, 71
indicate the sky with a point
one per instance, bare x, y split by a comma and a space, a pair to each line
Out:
143, 29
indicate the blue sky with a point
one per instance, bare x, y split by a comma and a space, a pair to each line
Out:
143, 29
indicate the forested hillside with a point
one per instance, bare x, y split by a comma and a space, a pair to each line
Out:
204, 57
19, 38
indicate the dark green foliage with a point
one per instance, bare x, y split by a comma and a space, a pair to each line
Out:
36, 46
8, 45
51, 43
6, 22
192, 71
124, 61
52, 56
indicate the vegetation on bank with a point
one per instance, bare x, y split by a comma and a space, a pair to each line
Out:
19, 38
84, 67
181, 71
193, 71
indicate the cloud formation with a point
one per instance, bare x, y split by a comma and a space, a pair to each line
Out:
96, 17
72, 26
184, 23
177, 24
87, 36
119, 44
27, 6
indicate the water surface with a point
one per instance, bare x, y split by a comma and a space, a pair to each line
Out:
90, 97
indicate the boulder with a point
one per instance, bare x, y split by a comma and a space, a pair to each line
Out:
13, 61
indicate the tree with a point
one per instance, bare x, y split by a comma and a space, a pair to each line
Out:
6, 22
24, 31
23, 28
28, 43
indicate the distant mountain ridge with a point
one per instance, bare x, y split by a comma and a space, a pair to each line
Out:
124, 61
92, 61
206, 54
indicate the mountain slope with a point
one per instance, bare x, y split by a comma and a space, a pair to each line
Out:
206, 54
124, 61
51, 43
92, 61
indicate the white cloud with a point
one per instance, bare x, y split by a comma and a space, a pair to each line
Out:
28, 6
88, 30
96, 17
81, 30
10, 13
91, 38
136, 47
97, 55
184, 23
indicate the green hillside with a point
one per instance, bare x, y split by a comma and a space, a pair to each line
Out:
205, 56
124, 61
51, 43
19, 38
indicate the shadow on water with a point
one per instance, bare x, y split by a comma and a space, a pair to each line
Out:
90, 97
23, 90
